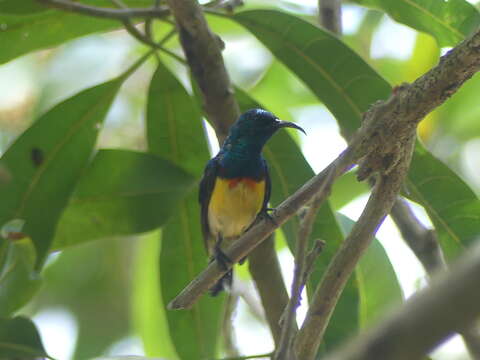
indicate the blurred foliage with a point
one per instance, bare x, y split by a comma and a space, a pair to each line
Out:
110, 235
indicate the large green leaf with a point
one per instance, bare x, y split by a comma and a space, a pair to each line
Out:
289, 171
19, 339
21, 34
452, 206
18, 280
149, 312
338, 79
174, 132
20, 7
449, 21
121, 192
376, 279
301, 46
47, 159
32, 6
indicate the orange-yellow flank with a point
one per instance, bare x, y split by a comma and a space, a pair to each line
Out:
234, 205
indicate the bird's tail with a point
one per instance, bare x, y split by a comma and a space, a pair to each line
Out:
224, 283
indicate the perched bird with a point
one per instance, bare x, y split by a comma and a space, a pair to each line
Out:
235, 187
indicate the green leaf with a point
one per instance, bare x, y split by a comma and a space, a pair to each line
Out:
47, 159
20, 35
19, 339
301, 46
174, 132
337, 79
149, 313
451, 205
376, 279
459, 116
18, 280
289, 171
449, 21
32, 6
122, 192
20, 7
271, 89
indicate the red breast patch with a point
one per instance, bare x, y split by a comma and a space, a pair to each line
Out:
251, 183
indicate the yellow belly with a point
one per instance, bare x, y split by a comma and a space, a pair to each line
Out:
234, 205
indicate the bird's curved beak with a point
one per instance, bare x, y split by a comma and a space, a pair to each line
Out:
283, 124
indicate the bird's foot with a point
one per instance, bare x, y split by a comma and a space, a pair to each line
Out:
224, 262
267, 216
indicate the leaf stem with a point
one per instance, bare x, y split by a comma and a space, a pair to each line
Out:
117, 14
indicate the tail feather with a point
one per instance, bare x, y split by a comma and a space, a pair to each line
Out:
223, 284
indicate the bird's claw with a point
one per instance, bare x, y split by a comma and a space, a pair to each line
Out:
224, 262
267, 216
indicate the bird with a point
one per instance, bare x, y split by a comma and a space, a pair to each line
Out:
235, 188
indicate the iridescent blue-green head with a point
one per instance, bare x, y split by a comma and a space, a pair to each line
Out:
252, 130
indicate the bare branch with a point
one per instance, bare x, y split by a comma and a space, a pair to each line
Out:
422, 322
117, 14
340, 268
261, 356
203, 52
421, 240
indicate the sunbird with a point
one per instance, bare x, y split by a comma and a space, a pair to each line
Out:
235, 188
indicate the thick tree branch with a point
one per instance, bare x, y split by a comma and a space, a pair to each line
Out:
423, 323
117, 14
330, 15
203, 51
394, 119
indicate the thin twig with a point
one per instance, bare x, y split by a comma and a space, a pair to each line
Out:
132, 30
167, 37
284, 350
422, 241
330, 15
312, 257
118, 14
246, 357
422, 322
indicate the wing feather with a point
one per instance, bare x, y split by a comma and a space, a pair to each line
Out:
268, 187
205, 193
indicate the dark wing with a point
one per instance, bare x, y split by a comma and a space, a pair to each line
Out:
268, 187
206, 188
